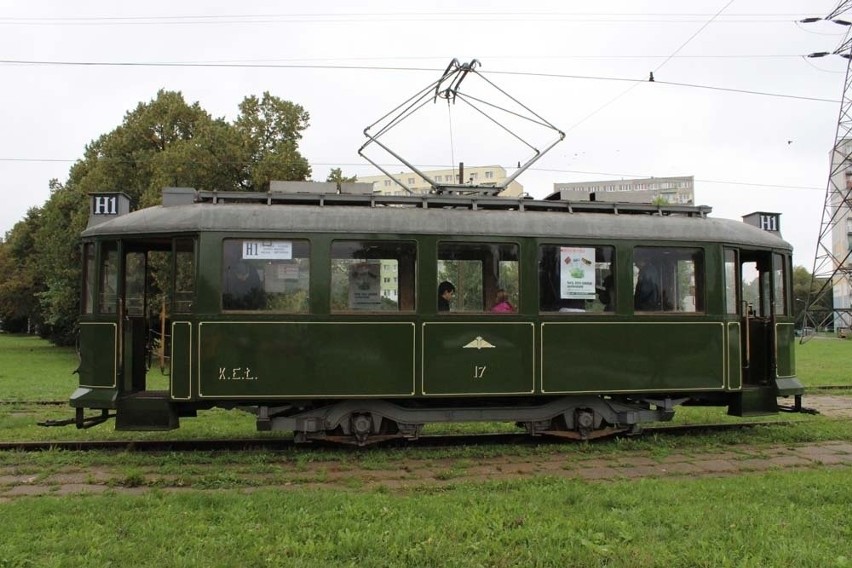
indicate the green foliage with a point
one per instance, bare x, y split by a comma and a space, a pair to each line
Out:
336, 175
270, 129
160, 143
770, 519
19, 307
803, 286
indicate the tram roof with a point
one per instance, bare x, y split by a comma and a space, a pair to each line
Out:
450, 215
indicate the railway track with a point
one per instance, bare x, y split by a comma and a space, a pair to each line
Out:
280, 444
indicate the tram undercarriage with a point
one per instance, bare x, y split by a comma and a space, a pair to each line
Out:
363, 422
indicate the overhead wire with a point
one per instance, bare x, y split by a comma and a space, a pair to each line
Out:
391, 68
615, 175
629, 89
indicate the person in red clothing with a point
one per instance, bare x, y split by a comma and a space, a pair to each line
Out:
503, 304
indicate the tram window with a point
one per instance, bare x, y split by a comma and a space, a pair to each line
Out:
372, 276
754, 288
668, 280
731, 297
184, 275
266, 275
108, 298
485, 276
576, 279
134, 283
89, 278
779, 279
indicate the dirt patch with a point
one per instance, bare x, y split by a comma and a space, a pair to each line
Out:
417, 474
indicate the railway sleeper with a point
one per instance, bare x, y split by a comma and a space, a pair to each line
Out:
368, 421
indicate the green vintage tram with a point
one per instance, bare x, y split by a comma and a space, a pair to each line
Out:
319, 311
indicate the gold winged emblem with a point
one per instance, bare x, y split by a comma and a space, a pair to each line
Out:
478, 343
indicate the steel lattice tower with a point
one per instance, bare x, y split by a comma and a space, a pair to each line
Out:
832, 270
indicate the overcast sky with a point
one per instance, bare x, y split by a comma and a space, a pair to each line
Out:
748, 152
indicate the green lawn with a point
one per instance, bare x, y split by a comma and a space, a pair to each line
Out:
32, 370
824, 361
772, 519
797, 518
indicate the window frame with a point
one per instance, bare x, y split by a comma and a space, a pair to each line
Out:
411, 296
305, 305
699, 275
581, 312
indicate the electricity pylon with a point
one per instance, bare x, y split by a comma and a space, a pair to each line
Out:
832, 272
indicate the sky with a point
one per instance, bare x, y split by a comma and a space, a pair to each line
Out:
751, 118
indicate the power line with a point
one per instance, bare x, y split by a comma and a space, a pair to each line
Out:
380, 17
616, 175
388, 68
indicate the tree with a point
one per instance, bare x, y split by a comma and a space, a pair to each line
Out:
335, 175
803, 285
163, 142
19, 289
270, 129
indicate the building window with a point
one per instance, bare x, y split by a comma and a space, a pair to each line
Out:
576, 278
361, 276
266, 275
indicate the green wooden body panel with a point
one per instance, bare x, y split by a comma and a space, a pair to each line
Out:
478, 358
305, 359
98, 355
632, 356
785, 353
181, 360
735, 367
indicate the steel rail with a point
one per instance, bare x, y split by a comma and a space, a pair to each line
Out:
279, 444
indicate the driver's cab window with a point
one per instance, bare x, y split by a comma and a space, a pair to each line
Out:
755, 289
108, 282
764, 284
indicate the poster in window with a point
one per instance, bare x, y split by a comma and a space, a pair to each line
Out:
267, 250
365, 286
577, 273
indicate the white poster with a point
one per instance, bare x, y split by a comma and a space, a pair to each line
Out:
365, 286
577, 273
267, 250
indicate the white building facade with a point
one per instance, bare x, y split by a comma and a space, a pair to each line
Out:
675, 190
841, 236
473, 175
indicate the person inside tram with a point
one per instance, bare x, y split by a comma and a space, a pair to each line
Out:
446, 292
647, 296
243, 289
606, 293
502, 304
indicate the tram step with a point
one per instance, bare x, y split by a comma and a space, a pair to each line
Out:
754, 401
149, 410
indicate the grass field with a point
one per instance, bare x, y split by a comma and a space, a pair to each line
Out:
776, 518
32, 370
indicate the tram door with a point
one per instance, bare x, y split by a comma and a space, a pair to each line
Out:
755, 309
132, 326
157, 290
